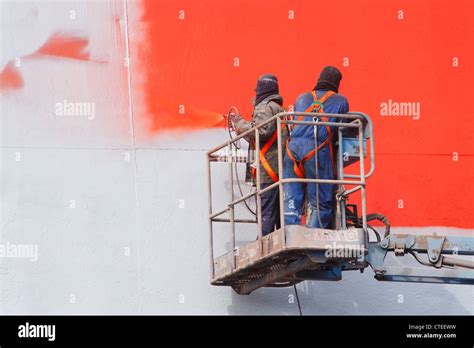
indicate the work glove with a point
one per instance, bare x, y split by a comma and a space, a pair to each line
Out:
234, 118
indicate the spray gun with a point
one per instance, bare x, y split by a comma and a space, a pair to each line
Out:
230, 125
249, 158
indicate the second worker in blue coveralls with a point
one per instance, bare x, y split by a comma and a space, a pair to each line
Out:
299, 159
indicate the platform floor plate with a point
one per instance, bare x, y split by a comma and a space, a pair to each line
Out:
255, 259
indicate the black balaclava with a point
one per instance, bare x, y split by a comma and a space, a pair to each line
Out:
329, 79
267, 85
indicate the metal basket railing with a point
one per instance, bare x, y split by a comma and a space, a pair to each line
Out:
354, 120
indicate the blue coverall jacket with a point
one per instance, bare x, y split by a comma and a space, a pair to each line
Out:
300, 144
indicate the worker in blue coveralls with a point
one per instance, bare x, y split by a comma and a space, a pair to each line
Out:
299, 161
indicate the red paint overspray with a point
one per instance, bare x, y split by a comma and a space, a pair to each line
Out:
66, 46
62, 45
10, 78
190, 62
188, 117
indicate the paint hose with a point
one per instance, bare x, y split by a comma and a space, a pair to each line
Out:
231, 128
381, 218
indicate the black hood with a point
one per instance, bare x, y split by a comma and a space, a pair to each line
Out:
267, 85
329, 79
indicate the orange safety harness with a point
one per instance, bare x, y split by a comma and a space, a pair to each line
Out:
271, 173
316, 107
